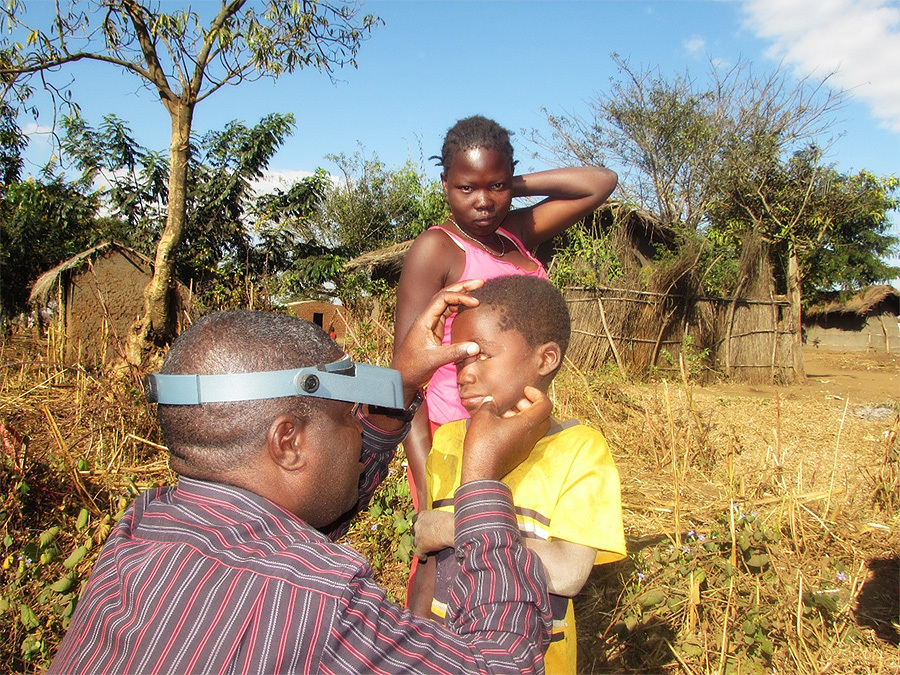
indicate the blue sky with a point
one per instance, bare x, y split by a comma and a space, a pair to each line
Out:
433, 62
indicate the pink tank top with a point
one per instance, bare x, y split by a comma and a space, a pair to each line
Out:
442, 394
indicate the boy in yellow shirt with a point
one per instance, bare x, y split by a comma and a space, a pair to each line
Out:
566, 493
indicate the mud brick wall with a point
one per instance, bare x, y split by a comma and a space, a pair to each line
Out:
104, 299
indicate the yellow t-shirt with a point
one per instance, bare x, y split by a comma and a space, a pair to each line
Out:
567, 488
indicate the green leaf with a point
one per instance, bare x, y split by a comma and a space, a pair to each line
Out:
82, 520
651, 598
63, 584
758, 560
47, 536
75, 557
29, 619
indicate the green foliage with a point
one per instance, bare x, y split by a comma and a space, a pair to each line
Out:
42, 570
725, 570
835, 224
12, 143
389, 521
184, 56
696, 360
374, 206
731, 162
585, 259
220, 252
41, 225
855, 235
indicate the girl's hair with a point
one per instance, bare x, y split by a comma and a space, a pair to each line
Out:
476, 132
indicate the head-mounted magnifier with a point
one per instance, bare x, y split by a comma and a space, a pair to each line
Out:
341, 380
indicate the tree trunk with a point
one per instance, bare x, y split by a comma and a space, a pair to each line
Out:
794, 297
157, 325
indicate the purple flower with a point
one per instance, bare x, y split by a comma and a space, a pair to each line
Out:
701, 537
641, 576
841, 576
374, 526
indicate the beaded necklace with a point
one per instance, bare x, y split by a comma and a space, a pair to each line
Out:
487, 250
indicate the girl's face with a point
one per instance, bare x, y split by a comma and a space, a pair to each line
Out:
478, 188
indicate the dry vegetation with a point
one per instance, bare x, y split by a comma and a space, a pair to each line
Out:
762, 525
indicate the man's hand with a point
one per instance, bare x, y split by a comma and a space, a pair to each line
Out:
434, 530
496, 442
421, 352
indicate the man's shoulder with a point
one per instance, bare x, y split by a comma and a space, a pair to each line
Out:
241, 532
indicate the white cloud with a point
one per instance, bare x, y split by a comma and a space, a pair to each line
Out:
857, 39
278, 179
695, 44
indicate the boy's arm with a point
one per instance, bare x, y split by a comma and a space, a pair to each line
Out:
566, 565
433, 531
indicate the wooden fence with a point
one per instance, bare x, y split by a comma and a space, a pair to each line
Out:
743, 339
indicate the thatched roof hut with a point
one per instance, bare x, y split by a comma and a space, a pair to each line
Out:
96, 296
385, 263
325, 315
866, 321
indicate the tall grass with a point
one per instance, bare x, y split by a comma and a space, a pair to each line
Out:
763, 532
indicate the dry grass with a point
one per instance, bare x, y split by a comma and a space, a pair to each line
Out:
763, 530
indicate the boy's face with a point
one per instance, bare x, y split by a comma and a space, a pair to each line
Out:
503, 368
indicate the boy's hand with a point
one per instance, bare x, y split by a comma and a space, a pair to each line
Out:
421, 352
433, 530
497, 443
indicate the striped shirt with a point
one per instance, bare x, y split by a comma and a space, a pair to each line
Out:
210, 578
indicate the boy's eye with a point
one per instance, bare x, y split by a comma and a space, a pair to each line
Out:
498, 186
465, 188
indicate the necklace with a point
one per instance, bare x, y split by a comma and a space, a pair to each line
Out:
487, 250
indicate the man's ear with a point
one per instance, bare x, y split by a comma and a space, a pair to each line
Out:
550, 358
285, 441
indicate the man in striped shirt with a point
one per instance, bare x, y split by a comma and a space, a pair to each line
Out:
236, 569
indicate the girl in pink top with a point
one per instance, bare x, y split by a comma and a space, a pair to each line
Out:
482, 238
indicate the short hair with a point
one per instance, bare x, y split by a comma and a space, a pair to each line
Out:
208, 439
530, 305
476, 132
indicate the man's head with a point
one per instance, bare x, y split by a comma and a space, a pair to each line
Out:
299, 451
522, 327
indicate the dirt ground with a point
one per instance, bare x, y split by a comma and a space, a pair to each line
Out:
863, 377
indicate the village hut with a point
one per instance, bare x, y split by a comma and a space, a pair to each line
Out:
96, 296
327, 316
644, 316
385, 263
864, 322
641, 315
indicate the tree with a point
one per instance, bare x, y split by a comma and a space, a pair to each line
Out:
825, 229
373, 206
185, 58
43, 224
216, 252
690, 153
369, 208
